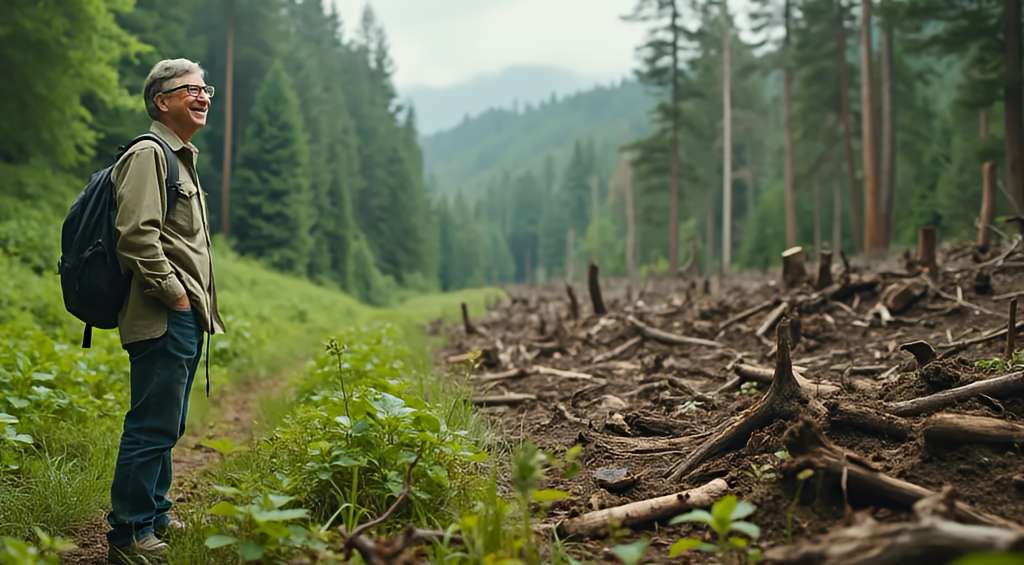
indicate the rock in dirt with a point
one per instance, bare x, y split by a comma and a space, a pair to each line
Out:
614, 479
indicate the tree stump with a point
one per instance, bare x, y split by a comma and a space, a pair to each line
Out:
793, 272
595, 290
824, 278
926, 239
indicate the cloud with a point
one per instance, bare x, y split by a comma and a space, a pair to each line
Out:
445, 42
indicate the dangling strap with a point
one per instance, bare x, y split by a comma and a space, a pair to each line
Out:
208, 365
87, 337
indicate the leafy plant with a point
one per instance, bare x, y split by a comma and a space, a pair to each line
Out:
263, 526
999, 364
801, 478
761, 473
631, 553
46, 551
726, 516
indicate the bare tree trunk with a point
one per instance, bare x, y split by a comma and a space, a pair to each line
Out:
630, 217
817, 216
988, 204
837, 214
789, 196
709, 235
873, 235
229, 80
856, 225
888, 180
726, 138
673, 189
1012, 99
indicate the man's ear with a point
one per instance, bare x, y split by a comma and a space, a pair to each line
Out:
158, 100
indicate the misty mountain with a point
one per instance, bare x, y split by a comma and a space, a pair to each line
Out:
444, 107
468, 156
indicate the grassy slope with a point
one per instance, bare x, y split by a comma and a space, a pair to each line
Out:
275, 322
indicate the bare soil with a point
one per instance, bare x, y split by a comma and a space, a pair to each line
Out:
652, 405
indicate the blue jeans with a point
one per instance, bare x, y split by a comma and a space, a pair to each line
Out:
162, 371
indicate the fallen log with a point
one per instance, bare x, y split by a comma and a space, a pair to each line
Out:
785, 399
508, 399
651, 332
868, 420
955, 429
858, 481
996, 386
599, 522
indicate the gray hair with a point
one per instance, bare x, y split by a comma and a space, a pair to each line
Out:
162, 72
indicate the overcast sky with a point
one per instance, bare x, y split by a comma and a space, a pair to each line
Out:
445, 42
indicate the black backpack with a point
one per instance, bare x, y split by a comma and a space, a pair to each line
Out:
91, 279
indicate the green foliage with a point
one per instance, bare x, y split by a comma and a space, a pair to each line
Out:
801, 478
1001, 365
274, 213
259, 527
46, 551
726, 516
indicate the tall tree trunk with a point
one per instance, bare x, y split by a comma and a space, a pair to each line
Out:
709, 235
789, 191
837, 213
229, 98
1012, 99
888, 180
630, 217
673, 189
817, 216
726, 138
873, 235
844, 119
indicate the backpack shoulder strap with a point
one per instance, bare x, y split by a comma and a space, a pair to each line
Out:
171, 182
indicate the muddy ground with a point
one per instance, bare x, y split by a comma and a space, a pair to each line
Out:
638, 403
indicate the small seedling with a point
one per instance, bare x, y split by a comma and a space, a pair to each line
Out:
631, 553
801, 478
726, 516
761, 473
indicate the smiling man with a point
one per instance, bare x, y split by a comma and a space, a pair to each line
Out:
164, 242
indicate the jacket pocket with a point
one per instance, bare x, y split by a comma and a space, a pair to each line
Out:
184, 217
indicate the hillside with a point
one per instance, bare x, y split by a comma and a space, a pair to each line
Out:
441, 108
467, 156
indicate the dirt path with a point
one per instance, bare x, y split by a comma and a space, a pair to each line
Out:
234, 415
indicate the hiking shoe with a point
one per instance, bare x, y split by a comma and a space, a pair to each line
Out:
147, 549
172, 527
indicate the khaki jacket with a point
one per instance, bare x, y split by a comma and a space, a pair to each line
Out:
169, 258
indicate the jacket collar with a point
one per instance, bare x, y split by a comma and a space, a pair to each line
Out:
167, 134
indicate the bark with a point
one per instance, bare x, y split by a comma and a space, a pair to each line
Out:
837, 215
856, 224
599, 522
1012, 99
873, 233
926, 241
817, 215
467, 325
868, 420
950, 430
726, 138
793, 272
988, 204
888, 178
789, 190
1011, 335
574, 304
824, 278
229, 98
594, 285
996, 386
670, 338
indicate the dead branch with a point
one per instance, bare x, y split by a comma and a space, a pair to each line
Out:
598, 522
955, 429
670, 338
467, 325
868, 420
1011, 335
996, 386
487, 378
746, 314
360, 542
541, 370
574, 305
508, 399
864, 484
785, 399
772, 317
595, 290
766, 375
618, 351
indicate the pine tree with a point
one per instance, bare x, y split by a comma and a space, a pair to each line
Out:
274, 216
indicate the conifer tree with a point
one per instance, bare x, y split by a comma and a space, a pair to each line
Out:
273, 216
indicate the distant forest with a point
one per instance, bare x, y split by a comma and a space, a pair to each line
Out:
823, 123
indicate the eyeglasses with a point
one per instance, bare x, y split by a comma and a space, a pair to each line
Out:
193, 90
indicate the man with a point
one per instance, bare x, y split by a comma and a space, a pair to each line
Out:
170, 304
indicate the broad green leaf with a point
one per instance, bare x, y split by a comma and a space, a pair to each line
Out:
224, 446
216, 541
738, 542
390, 406
230, 491
631, 553
692, 516
6, 418
42, 377
224, 508
279, 500
23, 438
250, 550
683, 545
805, 474
742, 510
17, 402
549, 495
747, 528
279, 515
427, 421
